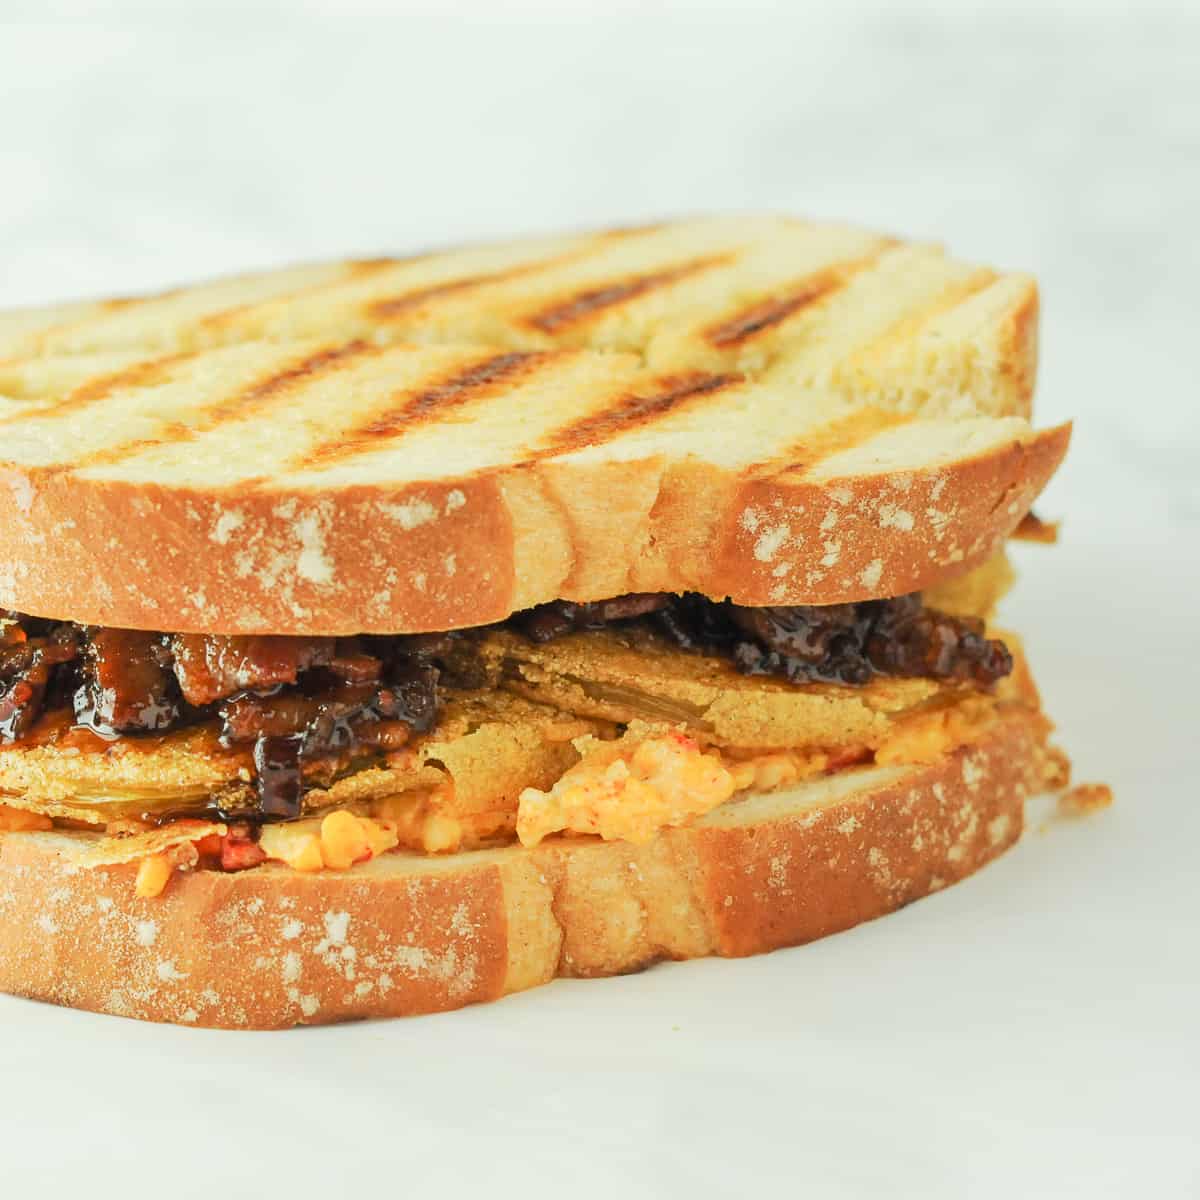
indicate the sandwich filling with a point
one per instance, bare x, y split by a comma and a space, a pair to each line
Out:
610, 719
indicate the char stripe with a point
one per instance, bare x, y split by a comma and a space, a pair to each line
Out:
260, 395
951, 298
756, 319
586, 304
396, 306
245, 403
840, 434
463, 387
141, 374
633, 411
769, 313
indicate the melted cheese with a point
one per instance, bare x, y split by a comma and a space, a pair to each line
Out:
624, 790
627, 790
630, 789
333, 842
925, 738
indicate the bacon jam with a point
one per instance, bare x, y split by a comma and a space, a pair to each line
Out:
300, 702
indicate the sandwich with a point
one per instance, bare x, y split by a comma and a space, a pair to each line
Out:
386, 636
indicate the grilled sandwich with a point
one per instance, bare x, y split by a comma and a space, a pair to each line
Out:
395, 634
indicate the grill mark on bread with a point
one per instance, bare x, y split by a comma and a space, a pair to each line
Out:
414, 408
394, 306
391, 307
766, 314
259, 395
842, 433
634, 411
247, 402
908, 325
762, 316
146, 373
584, 305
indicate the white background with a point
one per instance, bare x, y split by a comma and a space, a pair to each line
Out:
1030, 1033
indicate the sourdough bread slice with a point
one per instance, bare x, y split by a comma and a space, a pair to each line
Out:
335, 488
404, 934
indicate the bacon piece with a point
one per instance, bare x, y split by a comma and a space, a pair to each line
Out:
330, 715
840, 643
248, 717
354, 666
548, 621
210, 667
127, 683
21, 703
239, 851
26, 673
325, 711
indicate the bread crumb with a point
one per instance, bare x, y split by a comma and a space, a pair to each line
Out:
1084, 798
1031, 528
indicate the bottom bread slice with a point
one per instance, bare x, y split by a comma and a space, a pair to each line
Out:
403, 934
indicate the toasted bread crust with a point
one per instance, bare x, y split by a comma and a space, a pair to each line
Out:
482, 547
270, 948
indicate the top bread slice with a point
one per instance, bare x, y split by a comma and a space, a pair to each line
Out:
847, 310
775, 411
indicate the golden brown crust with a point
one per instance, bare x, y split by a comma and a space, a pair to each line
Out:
269, 948
1017, 356
470, 551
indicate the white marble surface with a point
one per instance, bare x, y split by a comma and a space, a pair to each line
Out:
1030, 1033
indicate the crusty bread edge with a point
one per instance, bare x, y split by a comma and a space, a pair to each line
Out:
271, 948
466, 552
